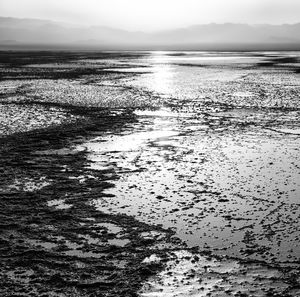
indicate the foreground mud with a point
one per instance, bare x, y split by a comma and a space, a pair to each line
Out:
53, 243
114, 183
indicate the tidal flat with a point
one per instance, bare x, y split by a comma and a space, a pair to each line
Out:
149, 174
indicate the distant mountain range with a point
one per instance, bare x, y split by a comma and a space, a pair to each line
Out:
36, 33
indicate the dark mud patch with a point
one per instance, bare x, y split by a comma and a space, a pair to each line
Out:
53, 243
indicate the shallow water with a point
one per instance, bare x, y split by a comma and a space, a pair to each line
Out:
212, 187
218, 164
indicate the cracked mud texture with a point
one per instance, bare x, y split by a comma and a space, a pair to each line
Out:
149, 174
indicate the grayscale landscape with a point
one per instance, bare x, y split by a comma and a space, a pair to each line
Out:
172, 171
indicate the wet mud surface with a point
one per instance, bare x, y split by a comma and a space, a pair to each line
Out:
129, 174
52, 242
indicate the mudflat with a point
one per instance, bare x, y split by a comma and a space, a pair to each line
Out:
149, 174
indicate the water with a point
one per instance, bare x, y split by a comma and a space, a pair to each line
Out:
219, 162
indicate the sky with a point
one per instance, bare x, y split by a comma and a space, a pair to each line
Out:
154, 15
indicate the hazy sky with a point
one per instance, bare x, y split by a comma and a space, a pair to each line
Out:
155, 14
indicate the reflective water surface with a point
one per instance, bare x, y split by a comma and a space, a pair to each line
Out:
219, 162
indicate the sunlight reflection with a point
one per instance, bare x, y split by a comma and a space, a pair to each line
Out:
163, 72
162, 78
